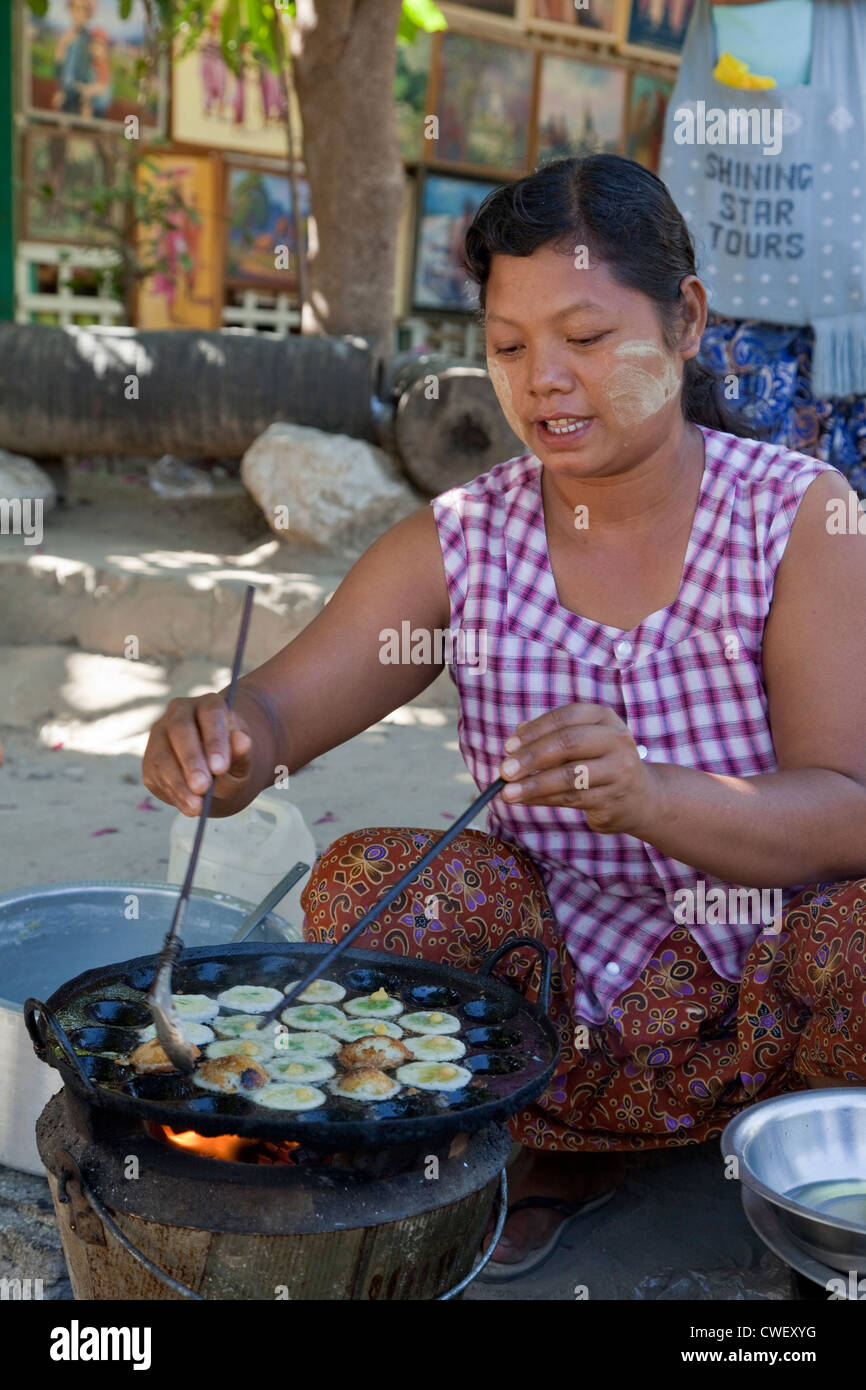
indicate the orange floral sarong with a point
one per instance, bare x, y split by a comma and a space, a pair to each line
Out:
683, 1050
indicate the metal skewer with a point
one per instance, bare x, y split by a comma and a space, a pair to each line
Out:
385, 901
169, 1028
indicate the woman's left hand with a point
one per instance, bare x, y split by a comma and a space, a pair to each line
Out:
581, 756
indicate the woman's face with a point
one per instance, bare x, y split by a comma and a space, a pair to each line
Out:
578, 363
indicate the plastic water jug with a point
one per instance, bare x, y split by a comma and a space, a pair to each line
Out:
246, 854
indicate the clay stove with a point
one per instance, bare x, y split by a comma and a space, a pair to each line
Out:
146, 1214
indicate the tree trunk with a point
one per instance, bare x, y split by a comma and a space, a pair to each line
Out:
344, 59
195, 394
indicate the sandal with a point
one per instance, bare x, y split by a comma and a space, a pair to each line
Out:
498, 1272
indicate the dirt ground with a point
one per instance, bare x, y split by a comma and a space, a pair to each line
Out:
67, 778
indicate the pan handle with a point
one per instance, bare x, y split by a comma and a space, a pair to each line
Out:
511, 945
36, 1028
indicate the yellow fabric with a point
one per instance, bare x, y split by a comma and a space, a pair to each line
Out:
735, 73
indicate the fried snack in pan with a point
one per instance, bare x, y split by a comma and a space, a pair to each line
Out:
150, 1058
381, 1053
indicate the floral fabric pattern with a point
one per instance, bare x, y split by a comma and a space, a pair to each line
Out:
682, 1050
773, 367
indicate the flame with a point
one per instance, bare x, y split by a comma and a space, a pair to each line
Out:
226, 1146
231, 1148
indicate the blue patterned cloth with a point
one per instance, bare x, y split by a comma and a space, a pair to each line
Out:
774, 369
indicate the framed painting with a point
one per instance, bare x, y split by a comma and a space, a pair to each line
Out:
447, 206
82, 64
657, 28
602, 20
210, 106
581, 108
411, 83
62, 170
260, 246
186, 289
483, 103
647, 102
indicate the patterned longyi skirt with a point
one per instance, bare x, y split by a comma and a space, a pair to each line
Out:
683, 1050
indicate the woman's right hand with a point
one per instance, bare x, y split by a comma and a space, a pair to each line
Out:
196, 742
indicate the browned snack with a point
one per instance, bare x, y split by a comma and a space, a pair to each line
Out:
151, 1057
383, 1053
231, 1074
365, 1083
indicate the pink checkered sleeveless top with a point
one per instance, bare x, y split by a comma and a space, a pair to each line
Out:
687, 681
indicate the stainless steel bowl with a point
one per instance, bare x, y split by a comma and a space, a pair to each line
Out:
807, 1137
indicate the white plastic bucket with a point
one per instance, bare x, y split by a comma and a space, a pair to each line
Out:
246, 854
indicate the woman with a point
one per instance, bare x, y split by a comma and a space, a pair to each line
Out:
671, 688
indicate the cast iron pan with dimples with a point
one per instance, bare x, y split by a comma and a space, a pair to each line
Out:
512, 1046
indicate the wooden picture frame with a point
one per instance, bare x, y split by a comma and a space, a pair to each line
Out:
447, 203
251, 233
70, 160
492, 139
78, 68
567, 117
666, 19
484, 17
595, 21
405, 267
191, 298
213, 109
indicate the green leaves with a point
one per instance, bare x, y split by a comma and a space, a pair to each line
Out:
419, 14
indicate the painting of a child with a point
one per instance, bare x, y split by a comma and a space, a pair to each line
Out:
83, 60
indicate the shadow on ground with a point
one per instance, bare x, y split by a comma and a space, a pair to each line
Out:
675, 1230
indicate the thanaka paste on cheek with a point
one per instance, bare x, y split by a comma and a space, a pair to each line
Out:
639, 386
502, 387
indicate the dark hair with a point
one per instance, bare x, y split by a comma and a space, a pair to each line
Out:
626, 217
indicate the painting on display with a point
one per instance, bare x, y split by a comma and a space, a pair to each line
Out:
62, 167
185, 292
261, 249
581, 109
410, 94
448, 206
484, 103
81, 63
647, 103
658, 27
211, 106
601, 19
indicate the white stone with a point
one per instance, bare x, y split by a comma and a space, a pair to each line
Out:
21, 477
319, 489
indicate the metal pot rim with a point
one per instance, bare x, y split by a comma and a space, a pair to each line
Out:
738, 1132
168, 890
